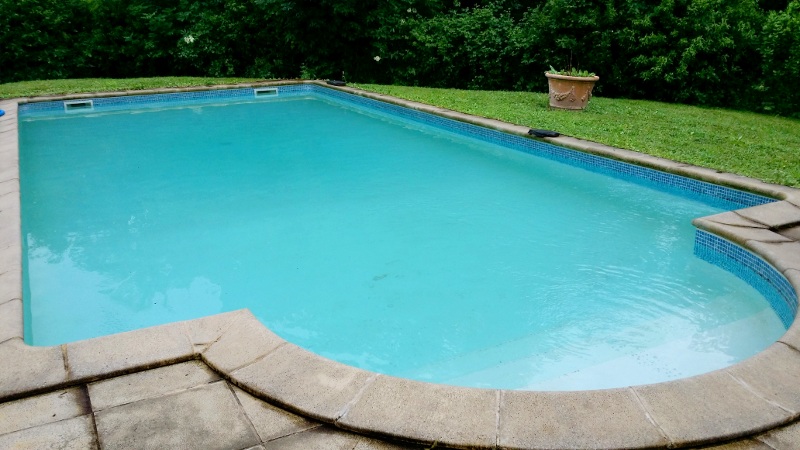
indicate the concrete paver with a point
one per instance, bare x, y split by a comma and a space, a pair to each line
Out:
127, 352
374, 444
270, 421
10, 285
205, 331
227, 354
681, 408
320, 438
765, 373
774, 215
43, 409
791, 232
744, 444
568, 420
785, 438
318, 387
740, 234
58, 419
149, 384
207, 417
70, 434
426, 412
11, 320
27, 369
782, 255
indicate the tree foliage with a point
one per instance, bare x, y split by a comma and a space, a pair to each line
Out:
735, 53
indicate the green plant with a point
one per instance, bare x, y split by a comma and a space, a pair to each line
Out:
571, 72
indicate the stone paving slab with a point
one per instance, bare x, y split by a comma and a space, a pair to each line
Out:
426, 412
785, 438
765, 374
11, 320
70, 434
43, 409
10, 187
28, 370
228, 354
149, 384
774, 215
205, 331
792, 336
792, 233
304, 382
270, 421
586, 419
11, 285
10, 258
690, 410
207, 417
329, 438
374, 444
321, 438
738, 233
734, 219
127, 352
745, 444
782, 255
50, 427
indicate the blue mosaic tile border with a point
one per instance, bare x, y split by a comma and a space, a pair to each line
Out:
720, 196
111, 103
750, 268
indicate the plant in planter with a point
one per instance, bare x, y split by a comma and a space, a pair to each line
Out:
570, 89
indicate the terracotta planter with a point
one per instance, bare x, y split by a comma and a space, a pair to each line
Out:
570, 92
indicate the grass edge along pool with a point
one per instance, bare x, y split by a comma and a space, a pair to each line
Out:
730, 197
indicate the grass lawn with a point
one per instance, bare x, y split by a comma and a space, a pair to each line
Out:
60, 87
754, 145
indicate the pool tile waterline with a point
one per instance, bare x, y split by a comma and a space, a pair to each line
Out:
679, 413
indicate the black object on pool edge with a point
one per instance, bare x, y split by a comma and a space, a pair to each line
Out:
543, 133
336, 83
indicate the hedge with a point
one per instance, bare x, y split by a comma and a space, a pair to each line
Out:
742, 54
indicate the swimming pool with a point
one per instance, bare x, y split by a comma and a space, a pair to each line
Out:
488, 172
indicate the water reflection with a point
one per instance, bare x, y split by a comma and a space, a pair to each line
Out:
104, 302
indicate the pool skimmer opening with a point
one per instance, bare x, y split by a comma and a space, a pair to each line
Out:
265, 92
78, 105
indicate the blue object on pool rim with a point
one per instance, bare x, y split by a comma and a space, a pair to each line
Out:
2, 113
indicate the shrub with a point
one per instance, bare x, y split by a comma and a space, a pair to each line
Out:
780, 47
44, 39
464, 49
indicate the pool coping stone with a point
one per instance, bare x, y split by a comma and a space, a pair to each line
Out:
304, 382
608, 418
747, 398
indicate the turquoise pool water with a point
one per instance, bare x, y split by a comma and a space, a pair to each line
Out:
374, 241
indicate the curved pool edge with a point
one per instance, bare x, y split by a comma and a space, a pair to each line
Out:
755, 395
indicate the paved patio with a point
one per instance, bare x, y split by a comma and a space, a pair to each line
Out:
185, 405
188, 405
228, 382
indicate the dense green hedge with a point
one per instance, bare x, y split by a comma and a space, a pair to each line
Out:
735, 53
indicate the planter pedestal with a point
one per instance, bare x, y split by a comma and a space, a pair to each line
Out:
570, 92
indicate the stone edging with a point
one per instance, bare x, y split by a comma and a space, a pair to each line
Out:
752, 396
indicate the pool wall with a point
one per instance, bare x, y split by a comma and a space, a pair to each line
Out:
755, 395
